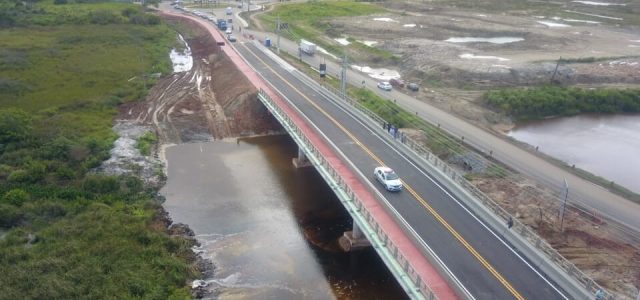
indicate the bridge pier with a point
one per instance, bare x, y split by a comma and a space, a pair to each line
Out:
353, 240
301, 161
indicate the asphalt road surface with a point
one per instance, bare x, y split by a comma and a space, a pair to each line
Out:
485, 264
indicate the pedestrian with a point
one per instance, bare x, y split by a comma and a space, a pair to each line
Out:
599, 294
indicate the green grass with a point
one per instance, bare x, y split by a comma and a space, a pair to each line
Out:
146, 141
70, 233
81, 63
309, 21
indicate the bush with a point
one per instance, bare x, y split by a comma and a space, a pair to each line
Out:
548, 101
104, 17
145, 142
10, 216
15, 125
16, 197
101, 184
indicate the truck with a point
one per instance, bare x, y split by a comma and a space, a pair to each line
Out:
222, 24
229, 11
307, 47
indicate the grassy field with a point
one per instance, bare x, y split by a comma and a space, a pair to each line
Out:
308, 21
67, 63
66, 233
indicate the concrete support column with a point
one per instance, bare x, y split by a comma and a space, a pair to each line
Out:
357, 234
353, 240
301, 161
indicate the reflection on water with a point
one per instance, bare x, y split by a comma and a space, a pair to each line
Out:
270, 230
607, 146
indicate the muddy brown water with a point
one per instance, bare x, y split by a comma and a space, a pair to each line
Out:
270, 230
608, 146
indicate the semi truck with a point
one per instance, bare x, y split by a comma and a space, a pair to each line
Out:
307, 47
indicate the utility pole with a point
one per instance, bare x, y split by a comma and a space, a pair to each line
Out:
343, 77
278, 33
564, 204
556, 70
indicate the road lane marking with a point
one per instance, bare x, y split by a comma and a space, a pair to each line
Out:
421, 200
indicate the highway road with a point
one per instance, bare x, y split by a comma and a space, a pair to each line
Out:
583, 192
486, 265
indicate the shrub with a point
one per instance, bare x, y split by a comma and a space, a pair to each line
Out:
16, 197
104, 17
10, 215
15, 125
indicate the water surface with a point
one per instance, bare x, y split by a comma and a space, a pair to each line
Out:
269, 229
608, 146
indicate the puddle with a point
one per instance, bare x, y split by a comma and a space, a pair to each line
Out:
594, 15
369, 43
381, 74
409, 25
384, 20
181, 60
342, 41
473, 56
496, 40
553, 24
599, 3
325, 52
482, 16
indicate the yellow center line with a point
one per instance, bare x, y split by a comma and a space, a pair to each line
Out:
424, 203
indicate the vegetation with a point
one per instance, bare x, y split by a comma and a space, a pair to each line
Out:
146, 141
66, 232
547, 101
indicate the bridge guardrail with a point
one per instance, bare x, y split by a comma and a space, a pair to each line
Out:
524, 231
373, 229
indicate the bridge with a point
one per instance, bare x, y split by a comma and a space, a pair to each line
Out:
437, 237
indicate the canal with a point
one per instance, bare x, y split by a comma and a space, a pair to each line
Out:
270, 230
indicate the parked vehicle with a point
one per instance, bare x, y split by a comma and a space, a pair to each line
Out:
228, 31
388, 178
385, 86
397, 82
413, 86
229, 10
307, 47
231, 38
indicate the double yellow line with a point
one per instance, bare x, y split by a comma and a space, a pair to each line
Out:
424, 203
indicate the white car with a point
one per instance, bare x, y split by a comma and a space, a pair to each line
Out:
385, 86
388, 178
228, 31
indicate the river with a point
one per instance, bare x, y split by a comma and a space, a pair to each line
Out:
605, 145
270, 230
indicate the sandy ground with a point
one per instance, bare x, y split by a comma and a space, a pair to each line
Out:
454, 75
